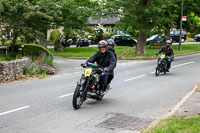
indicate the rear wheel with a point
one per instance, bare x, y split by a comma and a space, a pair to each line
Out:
78, 98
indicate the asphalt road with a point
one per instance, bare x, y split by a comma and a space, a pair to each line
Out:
136, 99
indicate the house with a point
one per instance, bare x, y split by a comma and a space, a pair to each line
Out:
106, 22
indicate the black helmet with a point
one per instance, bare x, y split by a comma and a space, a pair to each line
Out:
111, 42
102, 43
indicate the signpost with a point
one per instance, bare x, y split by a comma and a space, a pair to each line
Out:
180, 36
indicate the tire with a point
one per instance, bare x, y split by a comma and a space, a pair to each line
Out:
164, 72
157, 72
77, 99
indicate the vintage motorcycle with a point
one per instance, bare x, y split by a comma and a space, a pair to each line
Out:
65, 42
84, 42
88, 86
161, 65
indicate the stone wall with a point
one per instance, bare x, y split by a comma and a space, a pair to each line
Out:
12, 70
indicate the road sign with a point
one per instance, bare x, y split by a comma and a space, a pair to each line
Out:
184, 18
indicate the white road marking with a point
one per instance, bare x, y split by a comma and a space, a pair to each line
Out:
57, 76
183, 64
135, 77
65, 74
14, 110
180, 103
66, 95
153, 72
130, 63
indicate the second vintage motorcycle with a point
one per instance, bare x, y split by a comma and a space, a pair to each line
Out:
161, 65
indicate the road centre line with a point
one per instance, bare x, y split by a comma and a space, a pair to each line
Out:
66, 95
135, 77
183, 64
187, 63
14, 110
65, 74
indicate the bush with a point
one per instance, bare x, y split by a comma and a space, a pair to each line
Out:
55, 37
33, 50
40, 67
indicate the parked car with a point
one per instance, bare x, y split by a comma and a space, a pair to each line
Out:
124, 40
197, 37
153, 39
174, 34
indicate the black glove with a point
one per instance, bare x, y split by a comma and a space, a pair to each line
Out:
157, 54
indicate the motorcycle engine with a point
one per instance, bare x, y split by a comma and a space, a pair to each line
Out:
95, 79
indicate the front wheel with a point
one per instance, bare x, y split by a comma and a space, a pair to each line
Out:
157, 72
78, 98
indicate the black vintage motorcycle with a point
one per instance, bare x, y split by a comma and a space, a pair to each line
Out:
88, 86
65, 42
161, 65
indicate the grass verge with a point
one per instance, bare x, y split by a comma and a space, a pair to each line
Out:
85, 52
150, 52
177, 124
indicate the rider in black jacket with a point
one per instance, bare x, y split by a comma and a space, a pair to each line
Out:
169, 53
106, 60
111, 45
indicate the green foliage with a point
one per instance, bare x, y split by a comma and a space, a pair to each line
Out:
55, 37
150, 52
33, 50
177, 124
9, 57
74, 15
40, 67
99, 33
29, 20
48, 60
24, 20
85, 52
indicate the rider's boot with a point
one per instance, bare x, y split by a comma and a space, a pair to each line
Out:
107, 87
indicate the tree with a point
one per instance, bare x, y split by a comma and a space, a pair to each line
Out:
22, 18
74, 15
144, 16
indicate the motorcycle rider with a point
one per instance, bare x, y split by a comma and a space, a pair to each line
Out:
111, 45
106, 60
78, 41
169, 53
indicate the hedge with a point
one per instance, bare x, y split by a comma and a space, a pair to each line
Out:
55, 37
33, 50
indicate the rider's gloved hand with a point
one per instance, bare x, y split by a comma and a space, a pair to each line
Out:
106, 69
157, 54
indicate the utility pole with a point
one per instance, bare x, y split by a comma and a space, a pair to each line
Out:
180, 36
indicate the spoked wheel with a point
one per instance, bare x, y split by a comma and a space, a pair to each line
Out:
157, 72
78, 98
164, 71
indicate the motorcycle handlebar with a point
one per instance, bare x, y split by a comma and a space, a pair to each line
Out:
94, 66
